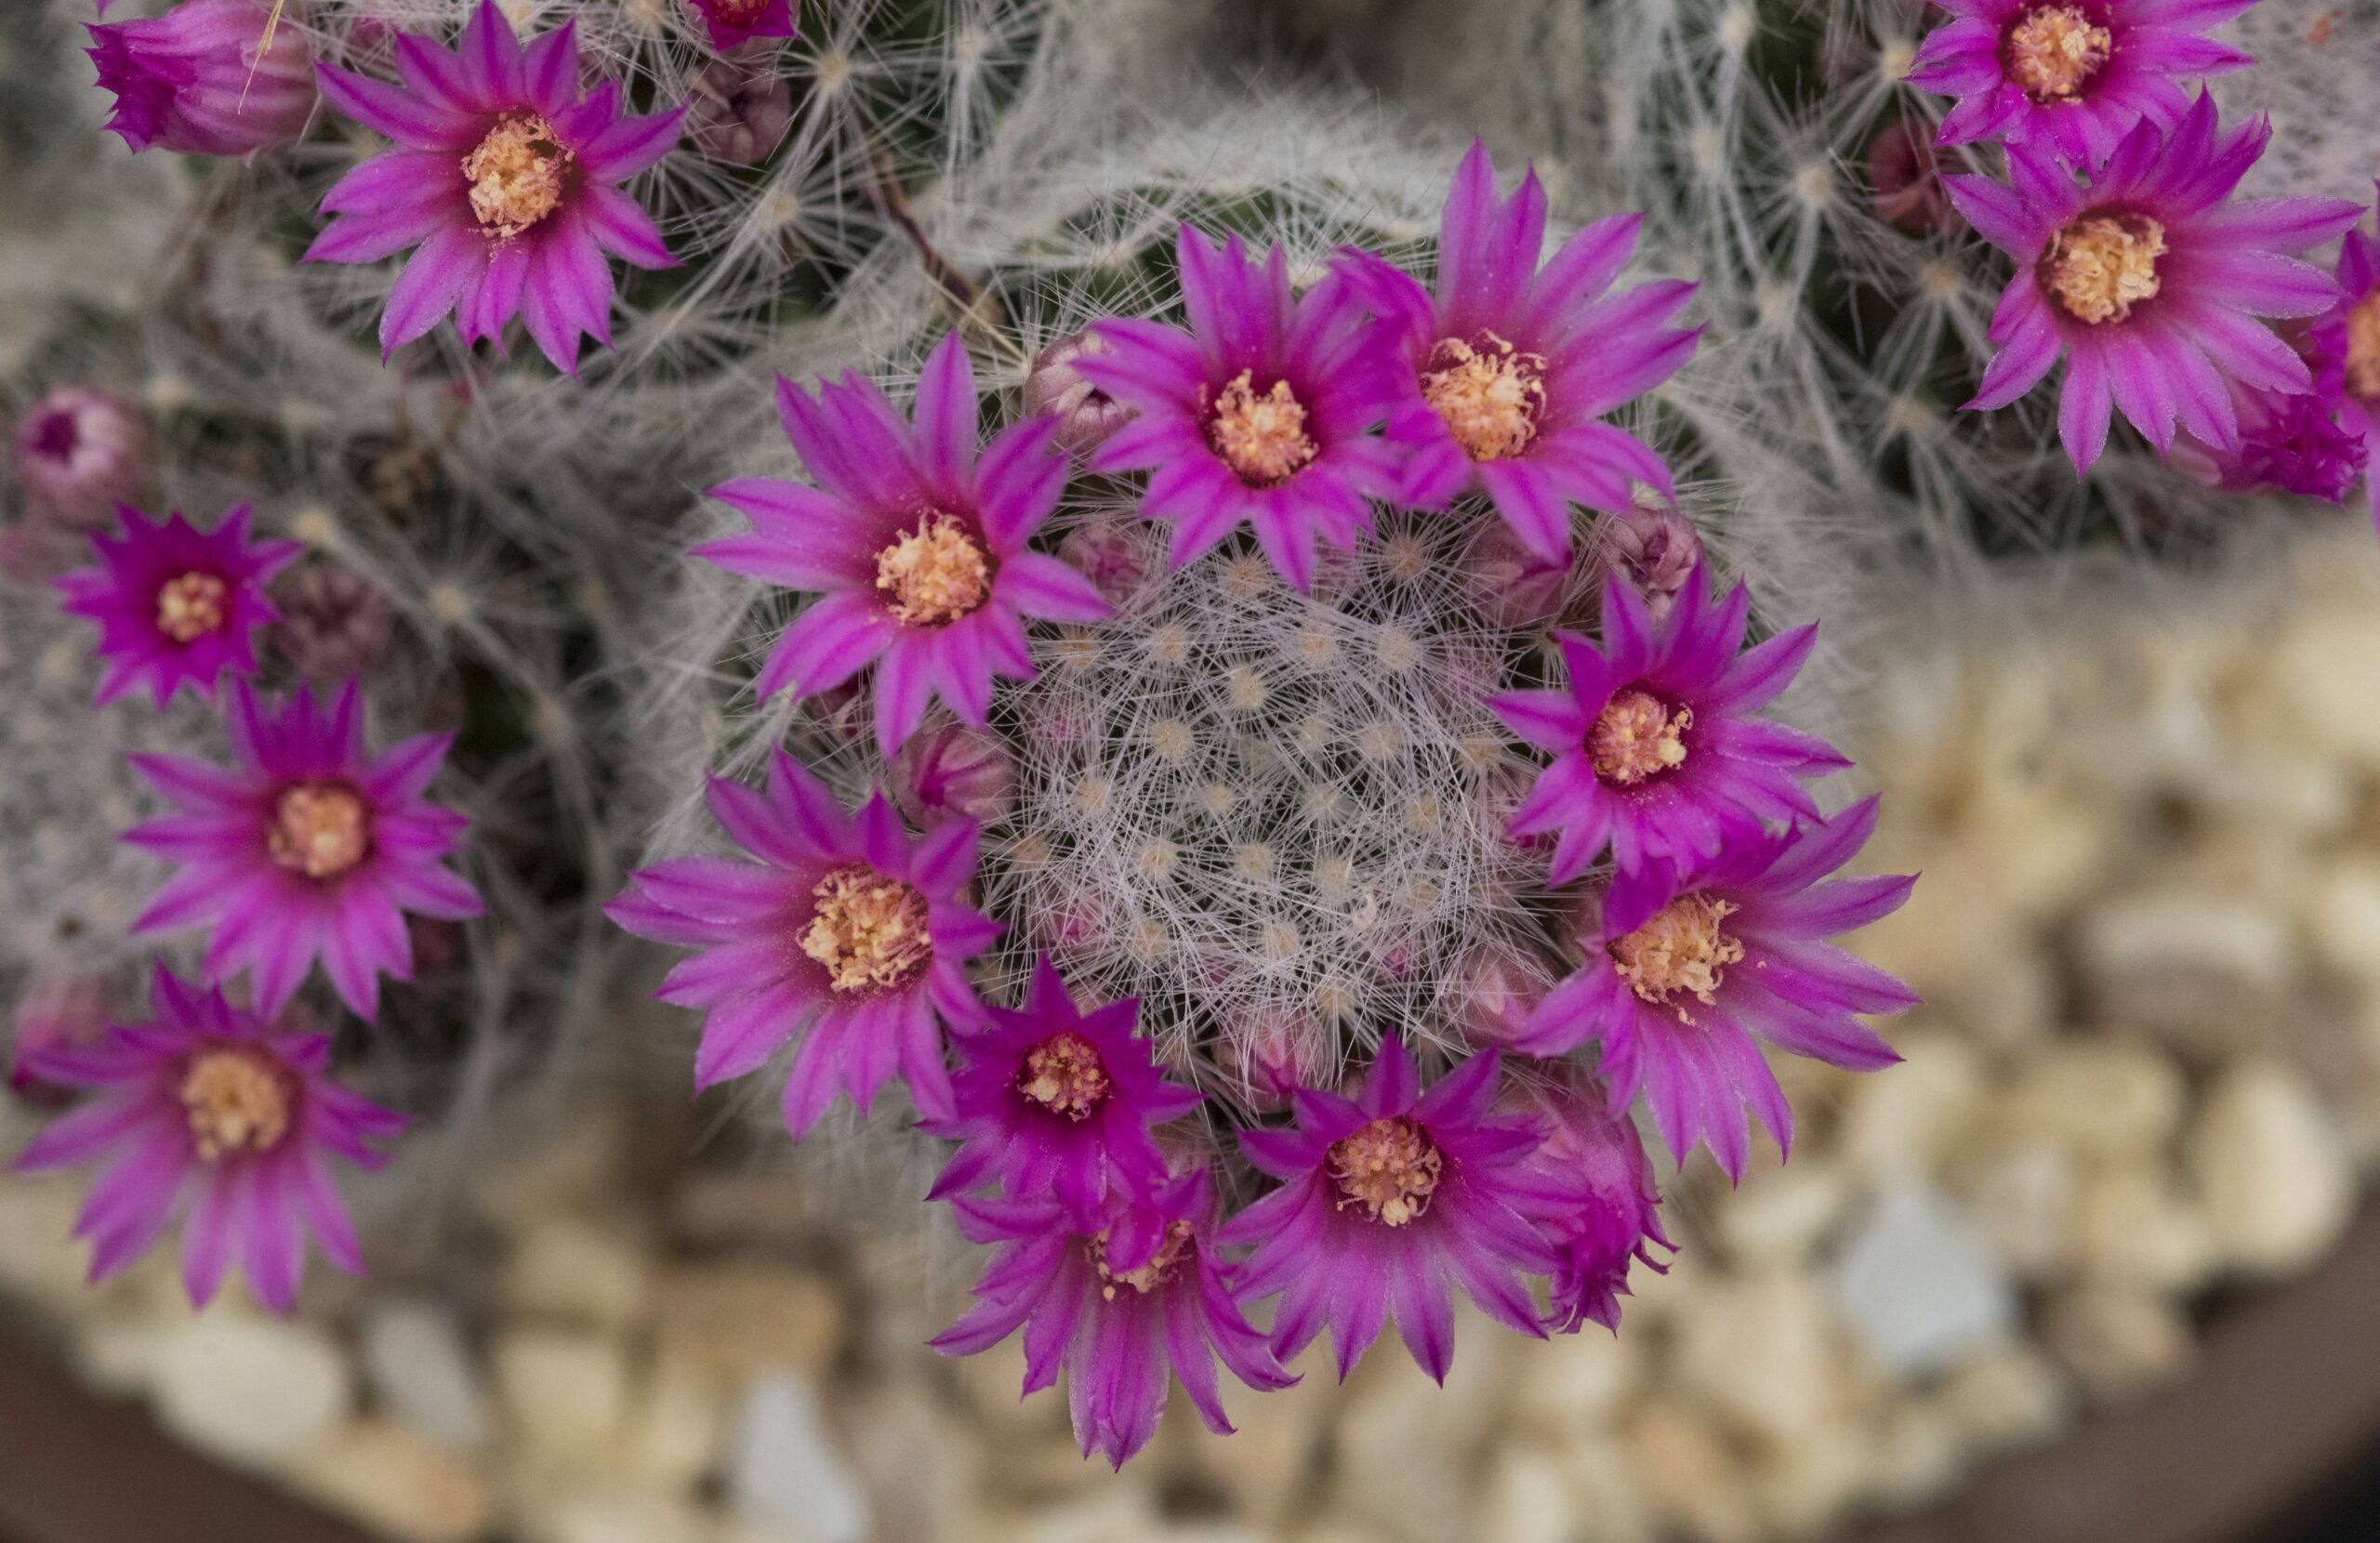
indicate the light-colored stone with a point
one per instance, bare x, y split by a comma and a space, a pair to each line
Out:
2008, 1397
785, 1470
2097, 1098
1806, 1482
2272, 1167
1408, 1451
576, 1271
564, 1393
1277, 1435
677, 1424
577, 1169
1575, 1382
393, 1480
39, 1255
1760, 1349
2317, 693
421, 1372
738, 1318
1918, 1284
1900, 1121
2022, 1197
2119, 1341
1913, 1456
1778, 1217
2149, 934
921, 1465
2134, 1224
251, 1390
626, 1516
1607, 1488
2343, 917
1694, 1485
1526, 1498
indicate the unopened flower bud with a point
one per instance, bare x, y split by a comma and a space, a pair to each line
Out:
1085, 415
738, 109
63, 1012
80, 453
1510, 585
209, 77
1907, 182
948, 771
1118, 556
847, 712
1275, 1050
1654, 549
333, 623
1496, 988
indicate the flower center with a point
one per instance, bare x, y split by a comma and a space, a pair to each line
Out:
937, 573
2054, 51
192, 606
2102, 265
1680, 949
518, 175
1489, 394
321, 829
1064, 1076
869, 931
56, 437
1262, 436
1634, 737
1390, 1168
1162, 1266
237, 1099
2364, 347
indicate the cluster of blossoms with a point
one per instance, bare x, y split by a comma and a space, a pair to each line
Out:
1144, 1202
2172, 302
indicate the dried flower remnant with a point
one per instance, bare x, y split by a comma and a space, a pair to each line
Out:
208, 1117
738, 109
334, 622
1590, 1190
505, 180
2152, 249
177, 606
208, 77
306, 848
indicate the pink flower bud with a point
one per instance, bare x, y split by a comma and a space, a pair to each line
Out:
1908, 183
1085, 415
201, 78
1510, 585
737, 110
62, 1012
1495, 990
1654, 549
80, 453
1275, 1049
1118, 556
733, 22
847, 712
334, 624
948, 771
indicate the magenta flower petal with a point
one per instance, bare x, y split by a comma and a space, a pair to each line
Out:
506, 182
177, 606
846, 933
735, 22
304, 848
207, 1114
1590, 1190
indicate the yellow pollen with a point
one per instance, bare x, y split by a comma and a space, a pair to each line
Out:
937, 573
2055, 50
1489, 394
1634, 737
2364, 347
1261, 437
1390, 1168
1161, 1267
518, 175
1680, 949
869, 931
2103, 265
192, 606
1064, 1076
237, 1099
320, 829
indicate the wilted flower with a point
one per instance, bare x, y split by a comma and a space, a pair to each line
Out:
917, 542
81, 452
1054, 1100
1261, 415
1656, 753
2070, 75
1087, 416
334, 622
2150, 279
209, 77
1590, 1190
176, 605
879, 942
208, 1117
1389, 1201
1508, 368
738, 109
1905, 181
305, 848
1685, 964
505, 178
